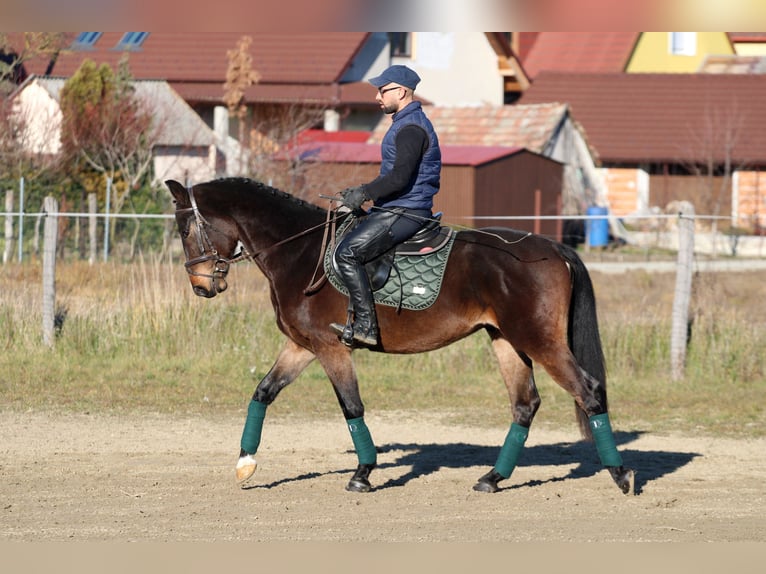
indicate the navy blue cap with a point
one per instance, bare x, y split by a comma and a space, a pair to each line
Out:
401, 75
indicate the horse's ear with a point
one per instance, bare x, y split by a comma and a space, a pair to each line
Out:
178, 190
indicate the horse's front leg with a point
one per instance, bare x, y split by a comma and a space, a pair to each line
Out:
525, 400
337, 363
290, 363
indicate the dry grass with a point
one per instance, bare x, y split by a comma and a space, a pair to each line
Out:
134, 337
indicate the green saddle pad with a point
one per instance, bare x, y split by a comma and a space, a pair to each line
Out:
414, 282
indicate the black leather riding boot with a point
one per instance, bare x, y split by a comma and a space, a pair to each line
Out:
364, 329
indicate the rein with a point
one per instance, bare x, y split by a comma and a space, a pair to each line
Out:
222, 264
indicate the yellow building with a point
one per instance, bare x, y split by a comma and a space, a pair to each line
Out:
676, 52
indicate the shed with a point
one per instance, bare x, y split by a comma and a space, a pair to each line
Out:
481, 186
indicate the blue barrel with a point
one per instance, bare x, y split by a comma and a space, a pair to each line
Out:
597, 229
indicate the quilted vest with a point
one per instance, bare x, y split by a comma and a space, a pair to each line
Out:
420, 191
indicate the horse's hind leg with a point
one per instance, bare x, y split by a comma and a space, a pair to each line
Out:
590, 396
290, 363
525, 400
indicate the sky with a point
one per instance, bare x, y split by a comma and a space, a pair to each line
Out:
383, 15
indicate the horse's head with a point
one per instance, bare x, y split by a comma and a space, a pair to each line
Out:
209, 242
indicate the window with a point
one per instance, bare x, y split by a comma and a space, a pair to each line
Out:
131, 41
682, 43
85, 40
401, 44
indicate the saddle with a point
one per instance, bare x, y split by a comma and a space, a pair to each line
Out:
431, 237
408, 275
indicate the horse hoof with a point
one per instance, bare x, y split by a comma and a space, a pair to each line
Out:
486, 486
488, 482
358, 485
246, 466
624, 478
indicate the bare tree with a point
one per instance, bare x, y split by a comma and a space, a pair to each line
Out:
240, 75
709, 154
266, 131
18, 48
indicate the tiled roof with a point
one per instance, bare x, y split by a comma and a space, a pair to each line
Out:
524, 126
757, 37
196, 63
663, 117
580, 51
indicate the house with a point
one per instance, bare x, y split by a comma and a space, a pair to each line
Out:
665, 137
183, 147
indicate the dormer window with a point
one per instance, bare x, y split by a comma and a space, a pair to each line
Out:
401, 44
85, 40
132, 41
682, 43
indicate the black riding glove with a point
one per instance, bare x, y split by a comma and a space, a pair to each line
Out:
353, 197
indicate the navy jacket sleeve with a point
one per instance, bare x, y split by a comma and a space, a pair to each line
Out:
411, 143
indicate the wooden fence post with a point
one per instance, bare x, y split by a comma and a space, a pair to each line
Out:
50, 205
8, 247
679, 337
92, 228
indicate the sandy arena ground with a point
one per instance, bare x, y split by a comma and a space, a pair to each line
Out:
164, 478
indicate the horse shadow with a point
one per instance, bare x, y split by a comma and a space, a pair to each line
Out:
580, 458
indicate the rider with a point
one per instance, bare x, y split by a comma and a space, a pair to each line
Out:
402, 197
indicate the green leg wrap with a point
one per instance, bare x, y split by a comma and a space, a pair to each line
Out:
602, 434
251, 434
360, 434
509, 453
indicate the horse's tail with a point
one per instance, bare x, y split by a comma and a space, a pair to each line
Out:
583, 336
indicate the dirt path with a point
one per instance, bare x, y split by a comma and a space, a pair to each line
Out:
161, 478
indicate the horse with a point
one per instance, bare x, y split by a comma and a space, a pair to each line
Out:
532, 296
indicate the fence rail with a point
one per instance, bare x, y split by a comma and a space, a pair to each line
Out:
657, 231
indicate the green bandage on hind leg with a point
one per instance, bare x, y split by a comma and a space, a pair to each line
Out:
604, 438
360, 434
509, 453
251, 434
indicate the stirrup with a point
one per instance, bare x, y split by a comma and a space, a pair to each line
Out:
344, 332
351, 338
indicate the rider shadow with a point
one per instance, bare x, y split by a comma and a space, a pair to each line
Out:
425, 459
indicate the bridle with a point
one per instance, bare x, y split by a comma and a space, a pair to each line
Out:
208, 250
222, 264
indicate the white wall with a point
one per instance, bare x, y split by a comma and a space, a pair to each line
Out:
40, 116
455, 68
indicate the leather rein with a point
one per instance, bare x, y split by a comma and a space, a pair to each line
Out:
222, 264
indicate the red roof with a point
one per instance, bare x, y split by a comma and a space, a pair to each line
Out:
580, 52
344, 152
347, 136
663, 118
290, 65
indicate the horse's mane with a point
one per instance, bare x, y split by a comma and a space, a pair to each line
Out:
260, 187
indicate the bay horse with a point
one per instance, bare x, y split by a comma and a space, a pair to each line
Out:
533, 296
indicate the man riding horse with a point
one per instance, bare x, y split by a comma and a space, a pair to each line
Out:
402, 198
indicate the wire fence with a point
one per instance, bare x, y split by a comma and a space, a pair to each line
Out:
645, 231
